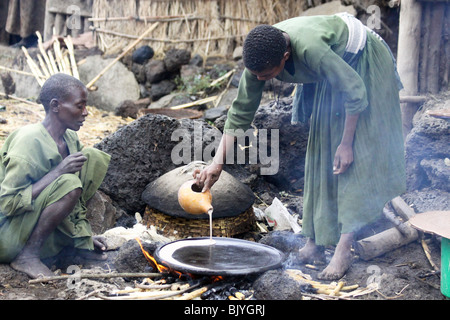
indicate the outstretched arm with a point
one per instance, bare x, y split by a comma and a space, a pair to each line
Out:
210, 175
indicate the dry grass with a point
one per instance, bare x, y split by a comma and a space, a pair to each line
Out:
206, 27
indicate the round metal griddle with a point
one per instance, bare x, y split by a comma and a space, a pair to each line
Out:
222, 257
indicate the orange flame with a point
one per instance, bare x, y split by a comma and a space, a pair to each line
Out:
152, 261
163, 269
216, 278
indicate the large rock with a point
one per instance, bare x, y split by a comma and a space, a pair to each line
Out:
175, 58
101, 213
155, 71
26, 86
116, 85
278, 285
142, 151
293, 140
427, 148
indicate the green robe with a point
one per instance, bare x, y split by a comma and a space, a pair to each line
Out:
27, 155
335, 204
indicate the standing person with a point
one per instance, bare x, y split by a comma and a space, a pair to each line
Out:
46, 178
349, 93
25, 17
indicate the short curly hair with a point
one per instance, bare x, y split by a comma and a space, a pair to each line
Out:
264, 48
58, 86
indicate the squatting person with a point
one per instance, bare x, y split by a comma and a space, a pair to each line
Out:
46, 178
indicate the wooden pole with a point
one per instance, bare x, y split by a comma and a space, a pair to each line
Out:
437, 17
120, 56
408, 56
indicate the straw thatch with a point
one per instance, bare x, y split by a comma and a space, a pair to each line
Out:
206, 27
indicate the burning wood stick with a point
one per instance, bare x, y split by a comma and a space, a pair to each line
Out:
120, 56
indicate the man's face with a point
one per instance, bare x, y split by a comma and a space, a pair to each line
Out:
272, 72
72, 110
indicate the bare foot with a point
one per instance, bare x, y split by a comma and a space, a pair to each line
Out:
92, 255
31, 266
341, 261
98, 253
311, 253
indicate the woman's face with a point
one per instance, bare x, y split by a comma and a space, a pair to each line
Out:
272, 72
72, 110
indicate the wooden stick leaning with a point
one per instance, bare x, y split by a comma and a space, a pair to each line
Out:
73, 62
44, 54
126, 50
34, 67
16, 71
58, 56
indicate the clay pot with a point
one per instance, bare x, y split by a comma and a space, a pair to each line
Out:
193, 200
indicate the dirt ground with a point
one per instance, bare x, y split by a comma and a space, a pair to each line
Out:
403, 274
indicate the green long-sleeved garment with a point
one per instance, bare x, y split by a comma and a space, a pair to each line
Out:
344, 203
27, 155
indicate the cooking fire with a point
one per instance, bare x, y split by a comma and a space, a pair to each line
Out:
188, 286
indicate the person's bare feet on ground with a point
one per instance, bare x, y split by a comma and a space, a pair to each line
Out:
98, 253
31, 265
341, 261
311, 253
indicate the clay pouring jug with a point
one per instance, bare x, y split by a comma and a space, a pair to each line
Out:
193, 200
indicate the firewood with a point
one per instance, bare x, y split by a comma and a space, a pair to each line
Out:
402, 208
384, 242
194, 294
96, 276
390, 215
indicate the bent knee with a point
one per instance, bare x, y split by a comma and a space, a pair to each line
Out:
62, 186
